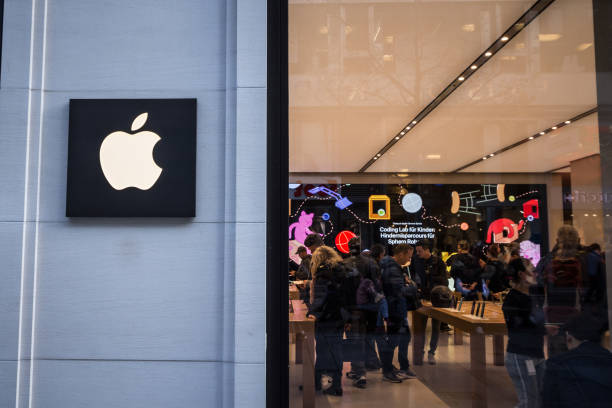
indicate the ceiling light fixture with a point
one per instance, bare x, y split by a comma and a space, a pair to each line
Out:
461, 78
433, 157
528, 16
402, 133
397, 137
584, 46
548, 37
512, 146
468, 28
407, 127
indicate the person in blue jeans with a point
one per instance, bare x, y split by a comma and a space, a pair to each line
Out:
525, 323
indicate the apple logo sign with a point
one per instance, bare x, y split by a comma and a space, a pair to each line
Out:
147, 169
127, 159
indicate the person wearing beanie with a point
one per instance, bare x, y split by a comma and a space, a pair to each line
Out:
582, 376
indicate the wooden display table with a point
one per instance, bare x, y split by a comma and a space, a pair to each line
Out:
492, 323
294, 293
303, 328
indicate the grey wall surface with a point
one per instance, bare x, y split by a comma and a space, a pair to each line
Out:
133, 312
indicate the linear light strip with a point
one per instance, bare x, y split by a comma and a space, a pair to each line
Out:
482, 59
529, 139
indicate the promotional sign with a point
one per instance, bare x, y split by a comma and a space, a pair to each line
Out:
131, 158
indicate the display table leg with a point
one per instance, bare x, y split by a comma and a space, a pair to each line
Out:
419, 321
478, 370
457, 337
299, 348
498, 350
308, 367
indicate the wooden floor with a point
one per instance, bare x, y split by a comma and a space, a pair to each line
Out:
446, 384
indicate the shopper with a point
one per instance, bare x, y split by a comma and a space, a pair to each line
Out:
466, 271
525, 323
312, 242
398, 331
360, 268
377, 252
595, 298
327, 306
582, 376
433, 273
303, 271
495, 270
562, 277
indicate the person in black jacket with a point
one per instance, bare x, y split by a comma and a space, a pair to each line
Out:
465, 270
582, 376
398, 331
358, 267
328, 307
525, 323
433, 274
495, 270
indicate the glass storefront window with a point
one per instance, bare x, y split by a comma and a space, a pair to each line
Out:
449, 215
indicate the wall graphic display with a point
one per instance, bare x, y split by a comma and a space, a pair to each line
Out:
131, 158
391, 214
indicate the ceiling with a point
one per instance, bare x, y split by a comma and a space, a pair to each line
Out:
359, 71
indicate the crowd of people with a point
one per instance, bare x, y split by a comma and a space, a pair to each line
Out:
361, 305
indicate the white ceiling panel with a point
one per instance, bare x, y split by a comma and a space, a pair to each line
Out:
544, 76
551, 151
358, 70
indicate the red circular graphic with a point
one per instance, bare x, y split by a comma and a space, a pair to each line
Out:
465, 226
342, 240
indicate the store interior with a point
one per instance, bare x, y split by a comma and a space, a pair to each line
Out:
446, 121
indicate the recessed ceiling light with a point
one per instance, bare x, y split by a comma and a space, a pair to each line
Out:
474, 67
461, 78
567, 122
433, 156
414, 122
484, 158
531, 137
504, 38
542, 133
468, 27
488, 54
594, 215
402, 175
549, 37
378, 154
586, 215
402, 133
375, 157
492, 154
584, 46
397, 137
519, 26
554, 128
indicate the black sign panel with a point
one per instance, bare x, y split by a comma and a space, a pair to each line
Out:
131, 158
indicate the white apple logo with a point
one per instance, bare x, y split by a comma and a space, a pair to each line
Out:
127, 159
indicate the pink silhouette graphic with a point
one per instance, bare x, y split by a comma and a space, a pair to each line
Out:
300, 229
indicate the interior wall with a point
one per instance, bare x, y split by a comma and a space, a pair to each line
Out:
587, 199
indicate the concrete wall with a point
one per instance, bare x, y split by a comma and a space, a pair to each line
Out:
133, 312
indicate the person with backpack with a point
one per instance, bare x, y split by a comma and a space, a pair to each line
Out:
359, 289
465, 270
328, 307
525, 323
398, 295
562, 276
